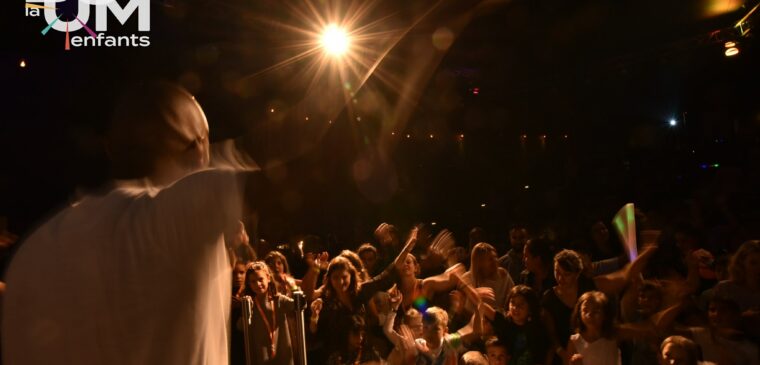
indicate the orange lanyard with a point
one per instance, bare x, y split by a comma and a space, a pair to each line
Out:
270, 328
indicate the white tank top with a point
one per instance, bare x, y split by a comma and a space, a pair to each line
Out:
603, 351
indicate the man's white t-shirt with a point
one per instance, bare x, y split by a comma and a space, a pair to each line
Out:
137, 276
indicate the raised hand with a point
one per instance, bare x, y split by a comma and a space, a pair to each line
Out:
317, 261
456, 255
383, 233
442, 244
323, 260
407, 346
486, 294
398, 263
576, 359
456, 298
395, 298
311, 259
316, 307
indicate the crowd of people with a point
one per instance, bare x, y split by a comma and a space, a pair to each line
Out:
529, 301
139, 273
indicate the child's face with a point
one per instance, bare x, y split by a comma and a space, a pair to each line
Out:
673, 354
369, 259
414, 324
497, 355
258, 281
355, 339
519, 310
340, 280
433, 331
238, 275
279, 268
592, 314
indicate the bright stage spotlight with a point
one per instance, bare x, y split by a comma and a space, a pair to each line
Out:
335, 40
673, 122
732, 51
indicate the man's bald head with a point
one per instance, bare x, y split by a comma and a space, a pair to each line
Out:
159, 131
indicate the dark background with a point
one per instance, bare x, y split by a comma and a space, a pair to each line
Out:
569, 98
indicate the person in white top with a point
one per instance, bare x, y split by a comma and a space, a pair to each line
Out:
594, 343
137, 274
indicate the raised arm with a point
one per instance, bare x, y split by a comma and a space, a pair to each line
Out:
389, 332
473, 295
309, 282
614, 283
390, 275
443, 282
438, 251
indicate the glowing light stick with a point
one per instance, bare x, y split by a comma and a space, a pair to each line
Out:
625, 225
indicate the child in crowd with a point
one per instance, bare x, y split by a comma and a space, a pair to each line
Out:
437, 345
677, 350
594, 342
269, 337
356, 351
496, 352
278, 264
520, 329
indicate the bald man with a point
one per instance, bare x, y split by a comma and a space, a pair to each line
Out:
138, 274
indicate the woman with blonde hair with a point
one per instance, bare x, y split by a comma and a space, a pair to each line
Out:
485, 272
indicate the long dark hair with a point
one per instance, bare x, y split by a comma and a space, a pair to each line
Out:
337, 264
541, 248
530, 297
357, 262
272, 256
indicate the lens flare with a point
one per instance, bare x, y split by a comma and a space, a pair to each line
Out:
335, 40
421, 304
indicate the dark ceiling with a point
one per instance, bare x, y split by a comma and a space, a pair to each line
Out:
560, 104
